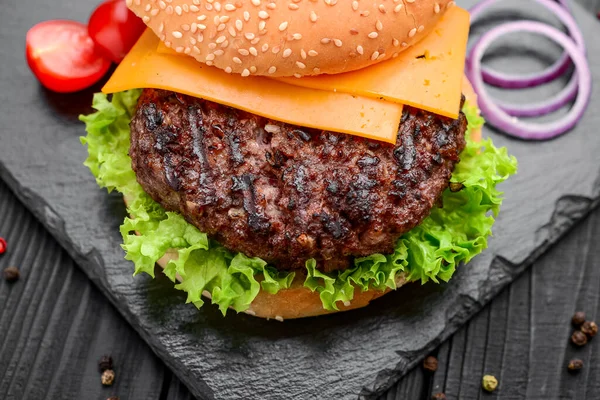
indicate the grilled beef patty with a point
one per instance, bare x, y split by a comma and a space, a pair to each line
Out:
286, 193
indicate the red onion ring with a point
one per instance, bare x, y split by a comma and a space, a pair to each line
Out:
511, 125
500, 79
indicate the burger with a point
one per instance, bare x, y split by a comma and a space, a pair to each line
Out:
292, 159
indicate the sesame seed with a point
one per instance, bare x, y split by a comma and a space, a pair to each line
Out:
243, 52
412, 32
297, 36
237, 60
253, 69
256, 3
421, 28
313, 16
293, 6
177, 34
360, 50
436, 8
283, 26
312, 53
263, 14
337, 42
272, 70
300, 65
355, 5
379, 25
230, 7
210, 57
374, 55
228, 70
253, 51
398, 8
373, 35
245, 72
286, 53
265, 47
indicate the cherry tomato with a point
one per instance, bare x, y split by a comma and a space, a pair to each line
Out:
63, 57
115, 29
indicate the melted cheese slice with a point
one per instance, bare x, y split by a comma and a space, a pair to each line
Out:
427, 75
145, 67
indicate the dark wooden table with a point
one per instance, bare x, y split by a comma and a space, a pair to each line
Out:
55, 325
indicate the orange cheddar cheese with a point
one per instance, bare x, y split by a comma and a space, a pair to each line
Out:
145, 67
427, 75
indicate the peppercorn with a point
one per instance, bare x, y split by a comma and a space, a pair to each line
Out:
456, 186
105, 362
489, 383
589, 328
2, 245
11, 274
575, 365
578, 318
578, 338
113, 398
430, 364
108, 377
438, 396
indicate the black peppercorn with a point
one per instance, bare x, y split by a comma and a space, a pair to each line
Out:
578, 318
575, 365
11, 274
105, 362
438, 396
578, 338
108, 377
430, 364
589, 328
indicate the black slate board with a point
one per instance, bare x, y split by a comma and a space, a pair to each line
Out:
360, 352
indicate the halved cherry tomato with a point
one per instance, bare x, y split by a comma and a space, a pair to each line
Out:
63, 57
115, 29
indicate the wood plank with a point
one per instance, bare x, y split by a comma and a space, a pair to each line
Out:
55, 325
522, 337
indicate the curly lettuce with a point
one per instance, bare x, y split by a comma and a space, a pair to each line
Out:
451, 235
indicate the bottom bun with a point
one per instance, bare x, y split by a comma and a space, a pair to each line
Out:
299, 301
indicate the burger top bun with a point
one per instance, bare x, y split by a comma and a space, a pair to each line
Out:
292, 37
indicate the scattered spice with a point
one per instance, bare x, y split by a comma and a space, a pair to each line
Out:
11, 274
456, 186
578, 318
578, 338
489, 383
113, 398
589, 328
575, 365
439, 396
430, 364
108, 377
2, 245
105, 362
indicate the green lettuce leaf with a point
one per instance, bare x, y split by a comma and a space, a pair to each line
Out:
452, 234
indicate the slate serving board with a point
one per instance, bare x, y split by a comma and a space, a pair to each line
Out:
341, 356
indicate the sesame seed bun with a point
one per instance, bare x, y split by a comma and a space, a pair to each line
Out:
293, 38
298, 301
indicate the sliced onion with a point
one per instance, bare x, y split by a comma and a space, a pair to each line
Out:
509, 81
511, 125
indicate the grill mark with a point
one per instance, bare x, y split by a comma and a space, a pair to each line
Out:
197, 131
165, 138
256, 219
406, 153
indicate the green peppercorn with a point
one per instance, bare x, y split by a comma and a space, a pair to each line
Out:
489, 383
575, 365
108, 377
589, 328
